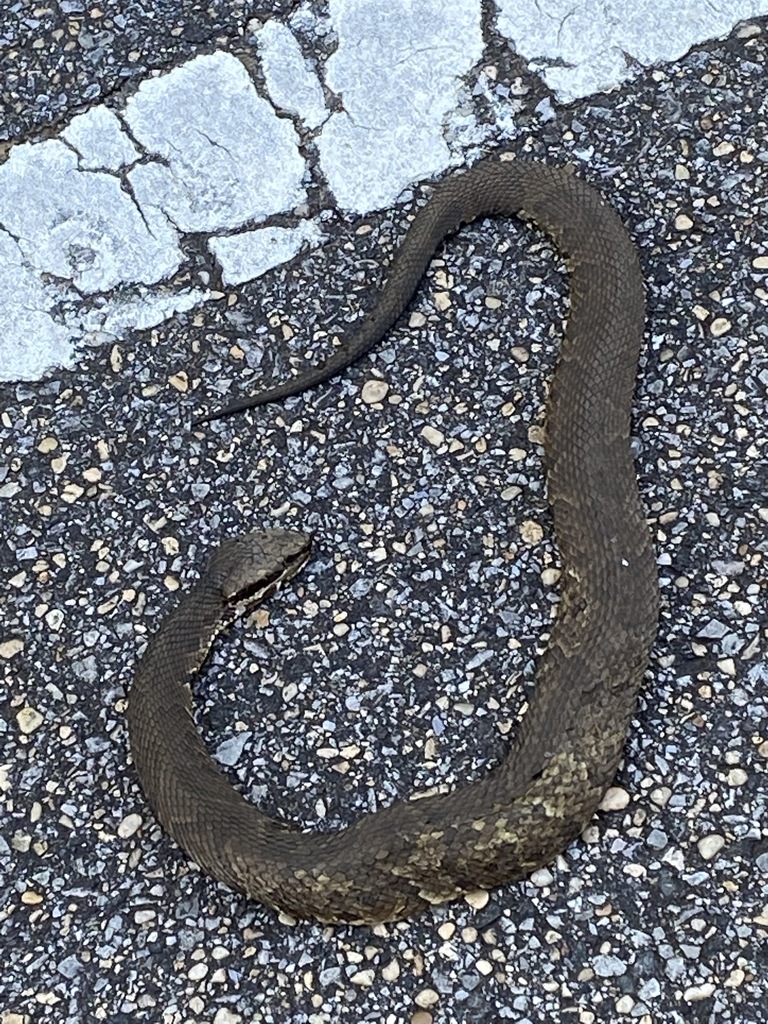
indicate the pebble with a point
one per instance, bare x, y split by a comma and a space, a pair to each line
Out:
364, 978
433, 435
180, 381
650, 989
709, 846
374, 391
70, 493
391, 971
531, 532
8, 648
615, 799
657, 838
69, 967
54, 618
609, 966
130, 824
696, 993
226, 1016
228, 752
28, 720
426, 997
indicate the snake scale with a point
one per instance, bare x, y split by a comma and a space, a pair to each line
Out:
396, 861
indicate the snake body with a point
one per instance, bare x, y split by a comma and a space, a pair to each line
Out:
522, 813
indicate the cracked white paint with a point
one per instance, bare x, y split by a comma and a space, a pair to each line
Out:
292, 85
251, 253
100, 140
225, 158
73, 229
600, 41
31, 340
91, 224
81, 226
114, 316
397, 70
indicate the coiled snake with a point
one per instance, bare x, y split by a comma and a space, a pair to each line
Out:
521, 814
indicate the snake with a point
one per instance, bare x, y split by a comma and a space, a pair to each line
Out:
401, 859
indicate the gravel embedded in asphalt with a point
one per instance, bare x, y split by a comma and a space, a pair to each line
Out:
401, 655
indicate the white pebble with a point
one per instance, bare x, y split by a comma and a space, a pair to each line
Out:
29, 719
391, 971
433, 435
615, 799
10, 647
374, 391
130, 824
365, 978
226, 1016
427, 997
477, 899
698, 992
531, 532
710, 846
54, 619
542, 878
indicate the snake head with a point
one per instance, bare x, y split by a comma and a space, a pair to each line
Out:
252, 567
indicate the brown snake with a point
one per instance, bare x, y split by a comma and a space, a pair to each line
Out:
522, 813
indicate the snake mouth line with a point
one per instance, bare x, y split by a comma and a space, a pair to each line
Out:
259, 590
